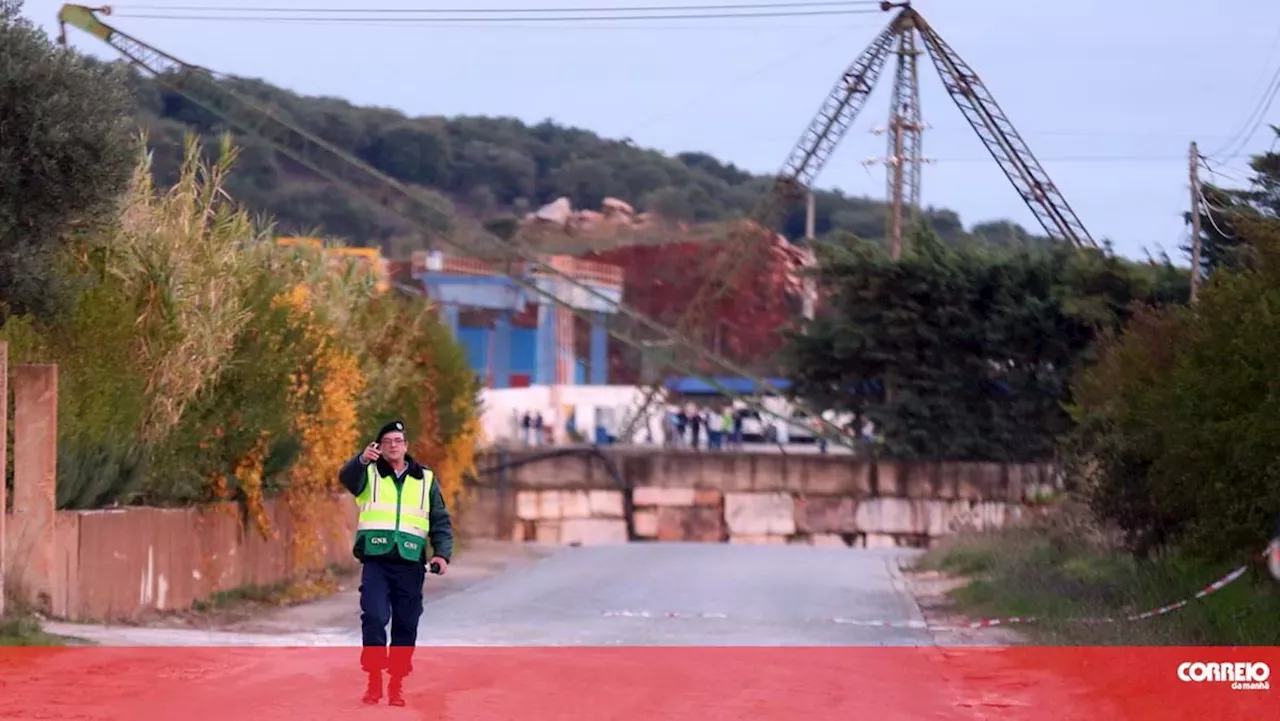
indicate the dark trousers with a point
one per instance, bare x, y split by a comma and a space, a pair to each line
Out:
390, 592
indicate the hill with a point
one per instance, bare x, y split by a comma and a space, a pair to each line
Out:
495, 169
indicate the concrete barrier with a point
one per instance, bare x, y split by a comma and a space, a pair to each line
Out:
623, 495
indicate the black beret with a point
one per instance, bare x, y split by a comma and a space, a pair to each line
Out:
390, 427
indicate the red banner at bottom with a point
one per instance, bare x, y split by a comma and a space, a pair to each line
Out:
646, 683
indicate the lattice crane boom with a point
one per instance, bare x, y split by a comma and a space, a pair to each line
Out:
198, 86
804, 162
1002, 140
904, 137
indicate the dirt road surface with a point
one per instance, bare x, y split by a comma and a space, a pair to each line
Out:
675, 631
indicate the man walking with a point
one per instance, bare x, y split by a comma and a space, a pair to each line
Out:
401, 508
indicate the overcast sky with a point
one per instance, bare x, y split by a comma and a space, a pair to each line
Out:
1107, 93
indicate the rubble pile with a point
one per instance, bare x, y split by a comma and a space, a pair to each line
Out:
614, 216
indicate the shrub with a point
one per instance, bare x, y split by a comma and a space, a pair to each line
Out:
1180, 418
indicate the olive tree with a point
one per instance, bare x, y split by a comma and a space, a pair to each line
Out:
66, 154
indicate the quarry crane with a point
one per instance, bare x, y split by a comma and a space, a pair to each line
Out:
199, 86
829, 126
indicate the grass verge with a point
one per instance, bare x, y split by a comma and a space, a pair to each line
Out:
23, 630
1060, 567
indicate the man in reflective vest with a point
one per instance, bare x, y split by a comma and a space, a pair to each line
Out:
401, 508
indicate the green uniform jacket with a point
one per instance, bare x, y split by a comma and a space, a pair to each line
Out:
353, 477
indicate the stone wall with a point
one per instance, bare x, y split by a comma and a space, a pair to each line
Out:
616, 496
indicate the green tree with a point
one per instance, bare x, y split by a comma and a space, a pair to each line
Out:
962, 353
1177, 421
65, 157
1221, 244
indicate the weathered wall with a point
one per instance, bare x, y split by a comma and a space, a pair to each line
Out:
118, 564
629, 495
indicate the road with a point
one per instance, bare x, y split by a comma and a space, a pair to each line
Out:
630, 595
652, 631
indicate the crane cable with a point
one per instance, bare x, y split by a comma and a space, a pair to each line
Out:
500, 15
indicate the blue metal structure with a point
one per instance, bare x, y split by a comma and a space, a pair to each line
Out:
544, 353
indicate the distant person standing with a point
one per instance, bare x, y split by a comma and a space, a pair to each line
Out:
527, 424
715, 429
695, 428
400, 509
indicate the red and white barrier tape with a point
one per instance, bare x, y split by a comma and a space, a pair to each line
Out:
1015, 620
985, 623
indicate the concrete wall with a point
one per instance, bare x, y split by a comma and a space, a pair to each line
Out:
620, 496
116, 565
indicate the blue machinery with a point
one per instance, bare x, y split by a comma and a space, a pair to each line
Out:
501, 351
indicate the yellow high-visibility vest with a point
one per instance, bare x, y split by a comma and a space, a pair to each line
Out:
394, 518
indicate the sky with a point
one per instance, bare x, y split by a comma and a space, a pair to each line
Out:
1108, 94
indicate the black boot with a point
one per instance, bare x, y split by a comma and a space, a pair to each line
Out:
395, 692
373, 692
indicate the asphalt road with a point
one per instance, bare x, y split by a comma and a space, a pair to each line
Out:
641, 594
720, 594
641, 631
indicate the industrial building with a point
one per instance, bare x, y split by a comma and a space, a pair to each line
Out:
513, 336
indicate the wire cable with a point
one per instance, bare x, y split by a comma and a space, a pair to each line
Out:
497, 11
1209, 214
1263, 86
300, 19
1241, 138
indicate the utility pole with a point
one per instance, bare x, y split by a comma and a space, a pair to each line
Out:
809, 221
1195, 221
905, 128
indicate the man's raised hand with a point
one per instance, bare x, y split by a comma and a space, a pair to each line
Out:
370, 454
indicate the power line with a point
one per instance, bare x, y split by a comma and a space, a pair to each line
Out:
285, 19
1078, 159
495, 11
1241, 138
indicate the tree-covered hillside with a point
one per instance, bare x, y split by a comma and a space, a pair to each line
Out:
495, 169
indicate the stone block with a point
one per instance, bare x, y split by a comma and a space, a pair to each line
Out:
918, 480
574, 504
646, 523
826, 514
548, 505
1016, 484
978, 481
694, 524
938, 517
650, 496
827, 540
890, 515
830, 476
605, 504
593, 531
548, 532
707, 497
880, 540
755, 514
887, 479
759, 540
527, 505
